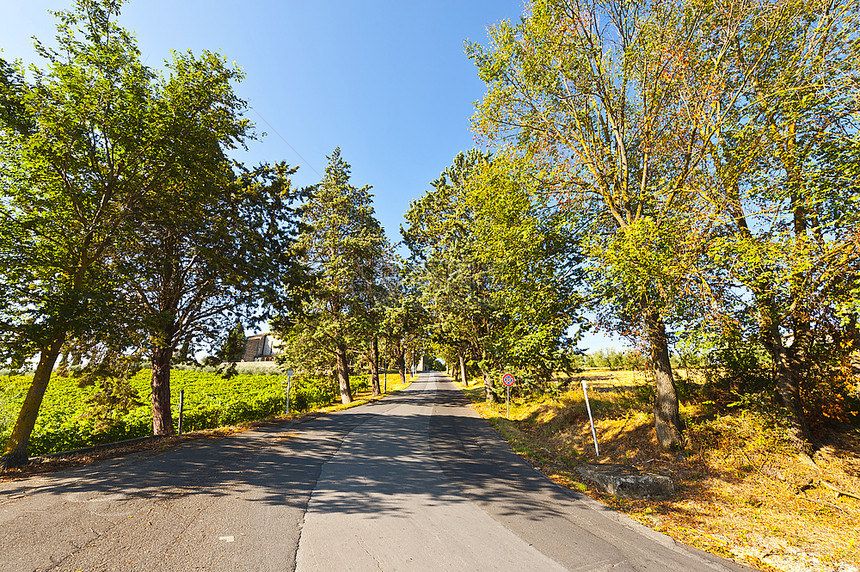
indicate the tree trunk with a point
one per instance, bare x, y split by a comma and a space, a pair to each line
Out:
788, 390
401, 364
343, 374
666, 419
488, 387
787, 382
463, 369
16, 453
374, 367
162, 416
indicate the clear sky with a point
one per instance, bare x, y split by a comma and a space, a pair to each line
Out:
386, 80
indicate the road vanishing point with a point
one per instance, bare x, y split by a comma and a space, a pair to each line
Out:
416, 481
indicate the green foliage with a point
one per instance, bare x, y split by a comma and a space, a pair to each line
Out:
12, 111
495, 269
233, 348
6, 413
69, 420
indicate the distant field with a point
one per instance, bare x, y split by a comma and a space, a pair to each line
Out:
65, 421
600, 378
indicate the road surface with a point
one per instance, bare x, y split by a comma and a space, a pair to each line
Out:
414, 482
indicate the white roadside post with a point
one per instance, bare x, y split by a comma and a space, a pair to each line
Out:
289, 386
590, 418
508, 380
181, 405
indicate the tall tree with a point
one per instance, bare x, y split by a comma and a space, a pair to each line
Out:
213, 248
342, 245
403, 317
784, 187
92, 149
611, 99
378, 294
233, 348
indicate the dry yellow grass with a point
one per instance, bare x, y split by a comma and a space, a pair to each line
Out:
741, 492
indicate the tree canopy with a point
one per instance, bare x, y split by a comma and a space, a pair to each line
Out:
494, 269
702, 148
342, 245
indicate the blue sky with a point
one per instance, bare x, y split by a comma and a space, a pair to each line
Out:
386, 80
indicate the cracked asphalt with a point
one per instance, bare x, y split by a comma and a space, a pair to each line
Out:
413, 482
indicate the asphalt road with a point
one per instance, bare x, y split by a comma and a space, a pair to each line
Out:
414, 482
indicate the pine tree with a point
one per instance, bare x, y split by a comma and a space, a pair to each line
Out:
234, 345
343, 245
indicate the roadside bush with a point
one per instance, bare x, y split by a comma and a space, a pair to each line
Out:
259, 368
310, 392
737, 366
359, 383
830, 397
614, 359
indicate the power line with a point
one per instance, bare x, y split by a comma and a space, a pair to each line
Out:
275, 131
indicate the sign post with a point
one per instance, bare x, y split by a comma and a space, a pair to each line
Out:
289, 386
587, 406
508, 380
181, 404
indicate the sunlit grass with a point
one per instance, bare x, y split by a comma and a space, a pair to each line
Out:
742, 492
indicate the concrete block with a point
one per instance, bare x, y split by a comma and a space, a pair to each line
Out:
627, 481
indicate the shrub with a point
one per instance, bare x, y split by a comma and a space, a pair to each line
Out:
310, 392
